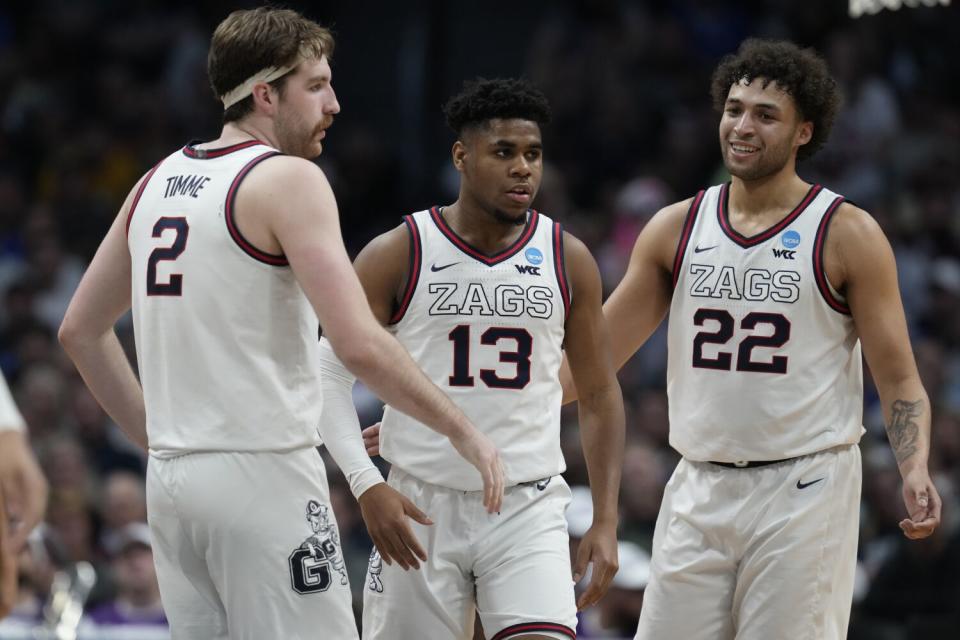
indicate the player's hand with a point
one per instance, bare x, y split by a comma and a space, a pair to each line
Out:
23, 485
479, 450
8, 566
923, 504
598, 546
385, 511
371, 439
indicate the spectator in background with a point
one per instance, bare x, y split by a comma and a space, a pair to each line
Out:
137, 602
124, 503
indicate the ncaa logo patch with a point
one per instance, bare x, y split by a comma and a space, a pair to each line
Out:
790, 239
533, 255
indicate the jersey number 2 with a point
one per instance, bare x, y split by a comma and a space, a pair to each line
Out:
174, 287
745, 361
521, 357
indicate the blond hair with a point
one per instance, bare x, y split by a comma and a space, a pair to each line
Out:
251, 40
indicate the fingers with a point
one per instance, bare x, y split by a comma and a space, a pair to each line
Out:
599, 583
371, 439
919, 530
411, 510
493, 485
8, 567
34, 505
580, 563
401, 547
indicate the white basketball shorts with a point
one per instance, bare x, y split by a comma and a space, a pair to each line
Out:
247, 548
765, 553
513, 568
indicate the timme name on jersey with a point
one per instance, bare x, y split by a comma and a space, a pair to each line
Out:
221, 369
745, 313
489, 331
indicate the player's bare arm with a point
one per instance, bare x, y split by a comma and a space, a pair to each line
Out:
307, 229
601, 417
8, 565
639, 303
88, 337
860, 263
23, 485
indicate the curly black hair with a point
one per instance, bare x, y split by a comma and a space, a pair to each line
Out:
482, 100
802, 73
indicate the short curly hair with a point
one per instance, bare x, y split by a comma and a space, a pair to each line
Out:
482, 100
802, 73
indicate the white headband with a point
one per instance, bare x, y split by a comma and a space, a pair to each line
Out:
243, 90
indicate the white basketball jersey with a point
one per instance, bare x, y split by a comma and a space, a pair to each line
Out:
764, 359
488, 330
226, 339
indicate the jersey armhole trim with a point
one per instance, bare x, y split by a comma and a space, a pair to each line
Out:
820, 273
533, 627
560, 267
688, 223
275, 260
136, 198
414, 260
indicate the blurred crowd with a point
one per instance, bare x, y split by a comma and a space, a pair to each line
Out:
92, 94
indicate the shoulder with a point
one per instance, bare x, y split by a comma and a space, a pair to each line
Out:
660, 238
287, 171
852, 223
390, 246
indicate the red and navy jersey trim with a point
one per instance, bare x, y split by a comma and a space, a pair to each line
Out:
488, 260
685, 235
818, 270
742, 240
208, 154
533, 627
415, 259
560, 266
136, 198
261, 256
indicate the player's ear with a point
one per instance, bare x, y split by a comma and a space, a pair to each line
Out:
264, 96
459, 154
804, 133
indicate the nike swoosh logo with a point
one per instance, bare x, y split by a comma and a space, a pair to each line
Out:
434, 267
802, 485
702, 249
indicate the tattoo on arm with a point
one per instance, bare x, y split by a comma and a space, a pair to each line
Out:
903, 431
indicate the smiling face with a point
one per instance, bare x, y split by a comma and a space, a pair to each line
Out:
305, 109
760, 130
501, 164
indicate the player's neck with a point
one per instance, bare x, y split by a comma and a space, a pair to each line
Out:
769, 195
244, 131
479, 227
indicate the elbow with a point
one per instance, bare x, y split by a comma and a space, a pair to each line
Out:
68, 334
357, 354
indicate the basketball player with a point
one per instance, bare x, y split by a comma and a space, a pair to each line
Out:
485, 293
21, 480
229, 251
772, 285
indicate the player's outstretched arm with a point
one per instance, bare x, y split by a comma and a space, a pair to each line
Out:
639, 303
601, 417
307, 229
860, 261
384, 509
88, 337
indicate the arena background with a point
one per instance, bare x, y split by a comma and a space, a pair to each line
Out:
92, 94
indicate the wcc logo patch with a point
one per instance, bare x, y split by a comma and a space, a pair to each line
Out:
790, 240
312, 564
